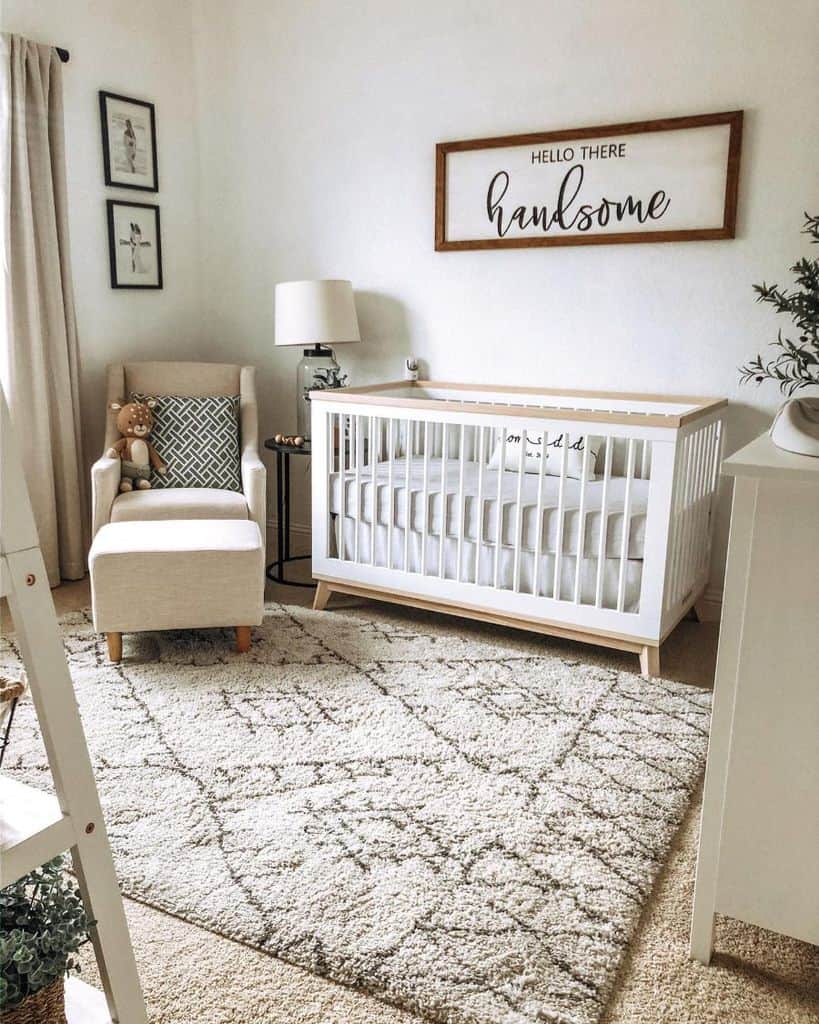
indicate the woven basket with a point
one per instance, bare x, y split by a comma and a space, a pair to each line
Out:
45, 1007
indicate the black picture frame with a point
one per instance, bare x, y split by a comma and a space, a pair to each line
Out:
114, 243
110, 171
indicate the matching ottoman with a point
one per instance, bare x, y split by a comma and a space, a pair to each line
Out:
176, 574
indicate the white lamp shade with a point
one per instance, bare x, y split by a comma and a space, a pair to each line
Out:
315, 313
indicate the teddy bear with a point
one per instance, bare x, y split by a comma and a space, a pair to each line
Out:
135, 422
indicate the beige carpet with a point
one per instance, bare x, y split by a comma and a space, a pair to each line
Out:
757, 977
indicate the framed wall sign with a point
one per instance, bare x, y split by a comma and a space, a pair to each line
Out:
134, 246
128, 142
649, 181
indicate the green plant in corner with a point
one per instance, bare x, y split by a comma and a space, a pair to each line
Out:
796, 364
42, 925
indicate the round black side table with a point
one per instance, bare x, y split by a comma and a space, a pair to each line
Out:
275, 571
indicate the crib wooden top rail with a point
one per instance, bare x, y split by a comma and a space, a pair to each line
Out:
671, 411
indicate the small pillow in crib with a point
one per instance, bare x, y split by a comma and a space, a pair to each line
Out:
552, 451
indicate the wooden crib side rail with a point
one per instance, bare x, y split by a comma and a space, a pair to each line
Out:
545, 403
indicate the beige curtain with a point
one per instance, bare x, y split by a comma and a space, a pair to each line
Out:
40, 360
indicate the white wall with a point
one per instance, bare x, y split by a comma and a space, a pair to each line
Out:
317, 130
306, 136
144, 50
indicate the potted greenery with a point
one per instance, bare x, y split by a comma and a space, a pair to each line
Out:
796, 364
42, 925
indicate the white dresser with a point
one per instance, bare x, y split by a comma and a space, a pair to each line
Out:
759, 844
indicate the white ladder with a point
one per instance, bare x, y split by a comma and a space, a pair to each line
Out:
35, 827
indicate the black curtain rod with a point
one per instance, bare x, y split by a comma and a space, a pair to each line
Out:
62, 54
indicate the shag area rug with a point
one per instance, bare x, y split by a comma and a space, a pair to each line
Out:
464, 823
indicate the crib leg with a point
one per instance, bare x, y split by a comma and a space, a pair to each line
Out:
322, 596
650, 661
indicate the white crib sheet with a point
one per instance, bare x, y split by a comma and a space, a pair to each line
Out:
360, 506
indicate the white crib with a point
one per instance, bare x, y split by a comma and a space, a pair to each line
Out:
586, 515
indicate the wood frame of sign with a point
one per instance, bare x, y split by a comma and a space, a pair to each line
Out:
543, 218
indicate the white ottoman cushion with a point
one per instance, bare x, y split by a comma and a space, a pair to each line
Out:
177, 574
179, 503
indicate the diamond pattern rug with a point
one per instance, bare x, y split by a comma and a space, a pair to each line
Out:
461, 821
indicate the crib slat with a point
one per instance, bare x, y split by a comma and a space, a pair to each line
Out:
461, 511
699, 488
332, 430
713, 481
479, 512
690, 540
710, 485
693, 553
442, 531
373, 485
685, 518
499, 507
602, 542
409, 439
519, 511
561, 512
679, 505
425, 520
539, 525
581, 520
705, 499
390, 487
645, 462
621, 582
717, 459
674, 544
359, 451
342, 483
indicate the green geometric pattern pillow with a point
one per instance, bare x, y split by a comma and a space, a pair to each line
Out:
198, 438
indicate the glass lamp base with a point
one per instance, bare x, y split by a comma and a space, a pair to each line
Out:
317, 369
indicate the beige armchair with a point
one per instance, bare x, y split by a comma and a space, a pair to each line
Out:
191, 379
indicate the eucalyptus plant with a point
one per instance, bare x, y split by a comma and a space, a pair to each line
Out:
42, 925
796, 364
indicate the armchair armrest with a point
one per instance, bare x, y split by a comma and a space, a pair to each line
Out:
254, 485
105, 476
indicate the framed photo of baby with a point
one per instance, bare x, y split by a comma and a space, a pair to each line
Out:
134, 246
128, 142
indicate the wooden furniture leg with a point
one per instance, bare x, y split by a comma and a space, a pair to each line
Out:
322, 596
114, 646
650, 661
242, 639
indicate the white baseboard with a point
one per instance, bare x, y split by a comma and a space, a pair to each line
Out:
710, 604
300, 534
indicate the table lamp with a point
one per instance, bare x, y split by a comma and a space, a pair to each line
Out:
319, 314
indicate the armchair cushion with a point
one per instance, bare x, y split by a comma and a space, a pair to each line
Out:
179, 503
198, 439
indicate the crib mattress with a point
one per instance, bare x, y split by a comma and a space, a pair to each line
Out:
358, 504
476, 563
